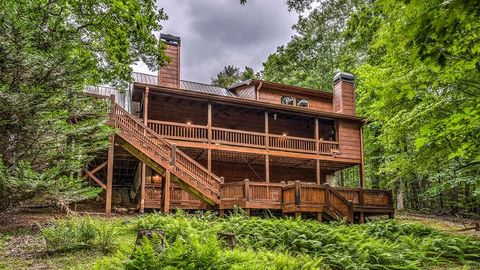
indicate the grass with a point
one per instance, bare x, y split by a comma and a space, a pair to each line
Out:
191, 243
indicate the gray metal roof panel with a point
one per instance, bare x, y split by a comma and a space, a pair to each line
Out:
185, 85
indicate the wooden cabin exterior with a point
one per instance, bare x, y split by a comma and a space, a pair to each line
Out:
254, 145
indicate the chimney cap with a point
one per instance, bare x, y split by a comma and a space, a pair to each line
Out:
343, 76
170, 39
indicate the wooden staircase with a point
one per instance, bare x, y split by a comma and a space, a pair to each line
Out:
149, 147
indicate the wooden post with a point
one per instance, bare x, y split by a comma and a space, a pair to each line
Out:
362, 218
317, 141
319, 217
267, 168
112, 110
166, 192
361, 167
145, 106
221, 213
361, 199
267, 157
267, 140
144, 166
318, 171
297, 193
173, 156
142, 187
209, 127
327, 194
111, 153
247, 190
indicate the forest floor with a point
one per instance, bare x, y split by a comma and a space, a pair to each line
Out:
23, 247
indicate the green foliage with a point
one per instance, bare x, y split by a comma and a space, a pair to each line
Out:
231, 75
191, 243
77, 233
418, 71
419, 85
49, 52
314, 54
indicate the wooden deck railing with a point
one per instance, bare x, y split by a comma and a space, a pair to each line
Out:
367, 197
179, 131
252, 191
298, 144
338, 202
316, 198
191, 132
162, 152
238, 137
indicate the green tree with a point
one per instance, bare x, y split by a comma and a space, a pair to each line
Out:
230, 75
314, 54
418, 72
420, 86
49, 51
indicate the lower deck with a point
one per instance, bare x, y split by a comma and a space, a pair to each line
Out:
287, 197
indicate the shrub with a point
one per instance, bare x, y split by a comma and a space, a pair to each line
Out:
77, 233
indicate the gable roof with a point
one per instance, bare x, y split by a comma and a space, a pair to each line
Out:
185, 85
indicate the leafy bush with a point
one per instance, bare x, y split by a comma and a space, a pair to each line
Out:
191, 243
79, 233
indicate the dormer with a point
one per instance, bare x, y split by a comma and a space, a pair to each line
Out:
284, 94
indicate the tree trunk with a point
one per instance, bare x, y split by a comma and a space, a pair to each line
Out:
400, 190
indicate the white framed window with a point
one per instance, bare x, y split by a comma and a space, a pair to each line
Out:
288, 100
302, 102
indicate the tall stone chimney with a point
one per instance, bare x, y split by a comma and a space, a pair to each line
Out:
169, 73
344, 93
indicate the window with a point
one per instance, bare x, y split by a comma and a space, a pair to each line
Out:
302, 102
288, 100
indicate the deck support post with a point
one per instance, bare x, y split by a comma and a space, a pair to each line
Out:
221, 213
267, 168
209, 136
108, 195
142, 187
319, 217
267, 157
144, 166
362, 218
317, 149
166, 192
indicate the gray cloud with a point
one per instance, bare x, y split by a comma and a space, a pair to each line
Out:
216, 33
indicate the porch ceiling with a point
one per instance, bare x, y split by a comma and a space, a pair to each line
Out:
236, 157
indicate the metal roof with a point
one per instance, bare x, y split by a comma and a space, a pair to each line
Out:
206, 88
185, 85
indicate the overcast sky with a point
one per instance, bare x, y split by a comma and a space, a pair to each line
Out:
216, 33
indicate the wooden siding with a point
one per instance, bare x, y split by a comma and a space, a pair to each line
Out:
315, 103
349, 139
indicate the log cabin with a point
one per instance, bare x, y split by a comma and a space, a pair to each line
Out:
255, 145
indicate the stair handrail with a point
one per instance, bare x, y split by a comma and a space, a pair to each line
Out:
330, 191
158, 137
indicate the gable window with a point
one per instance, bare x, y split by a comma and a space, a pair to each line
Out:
288, 100
302, 102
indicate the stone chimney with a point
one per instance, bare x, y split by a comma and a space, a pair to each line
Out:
169, 73
344, 93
